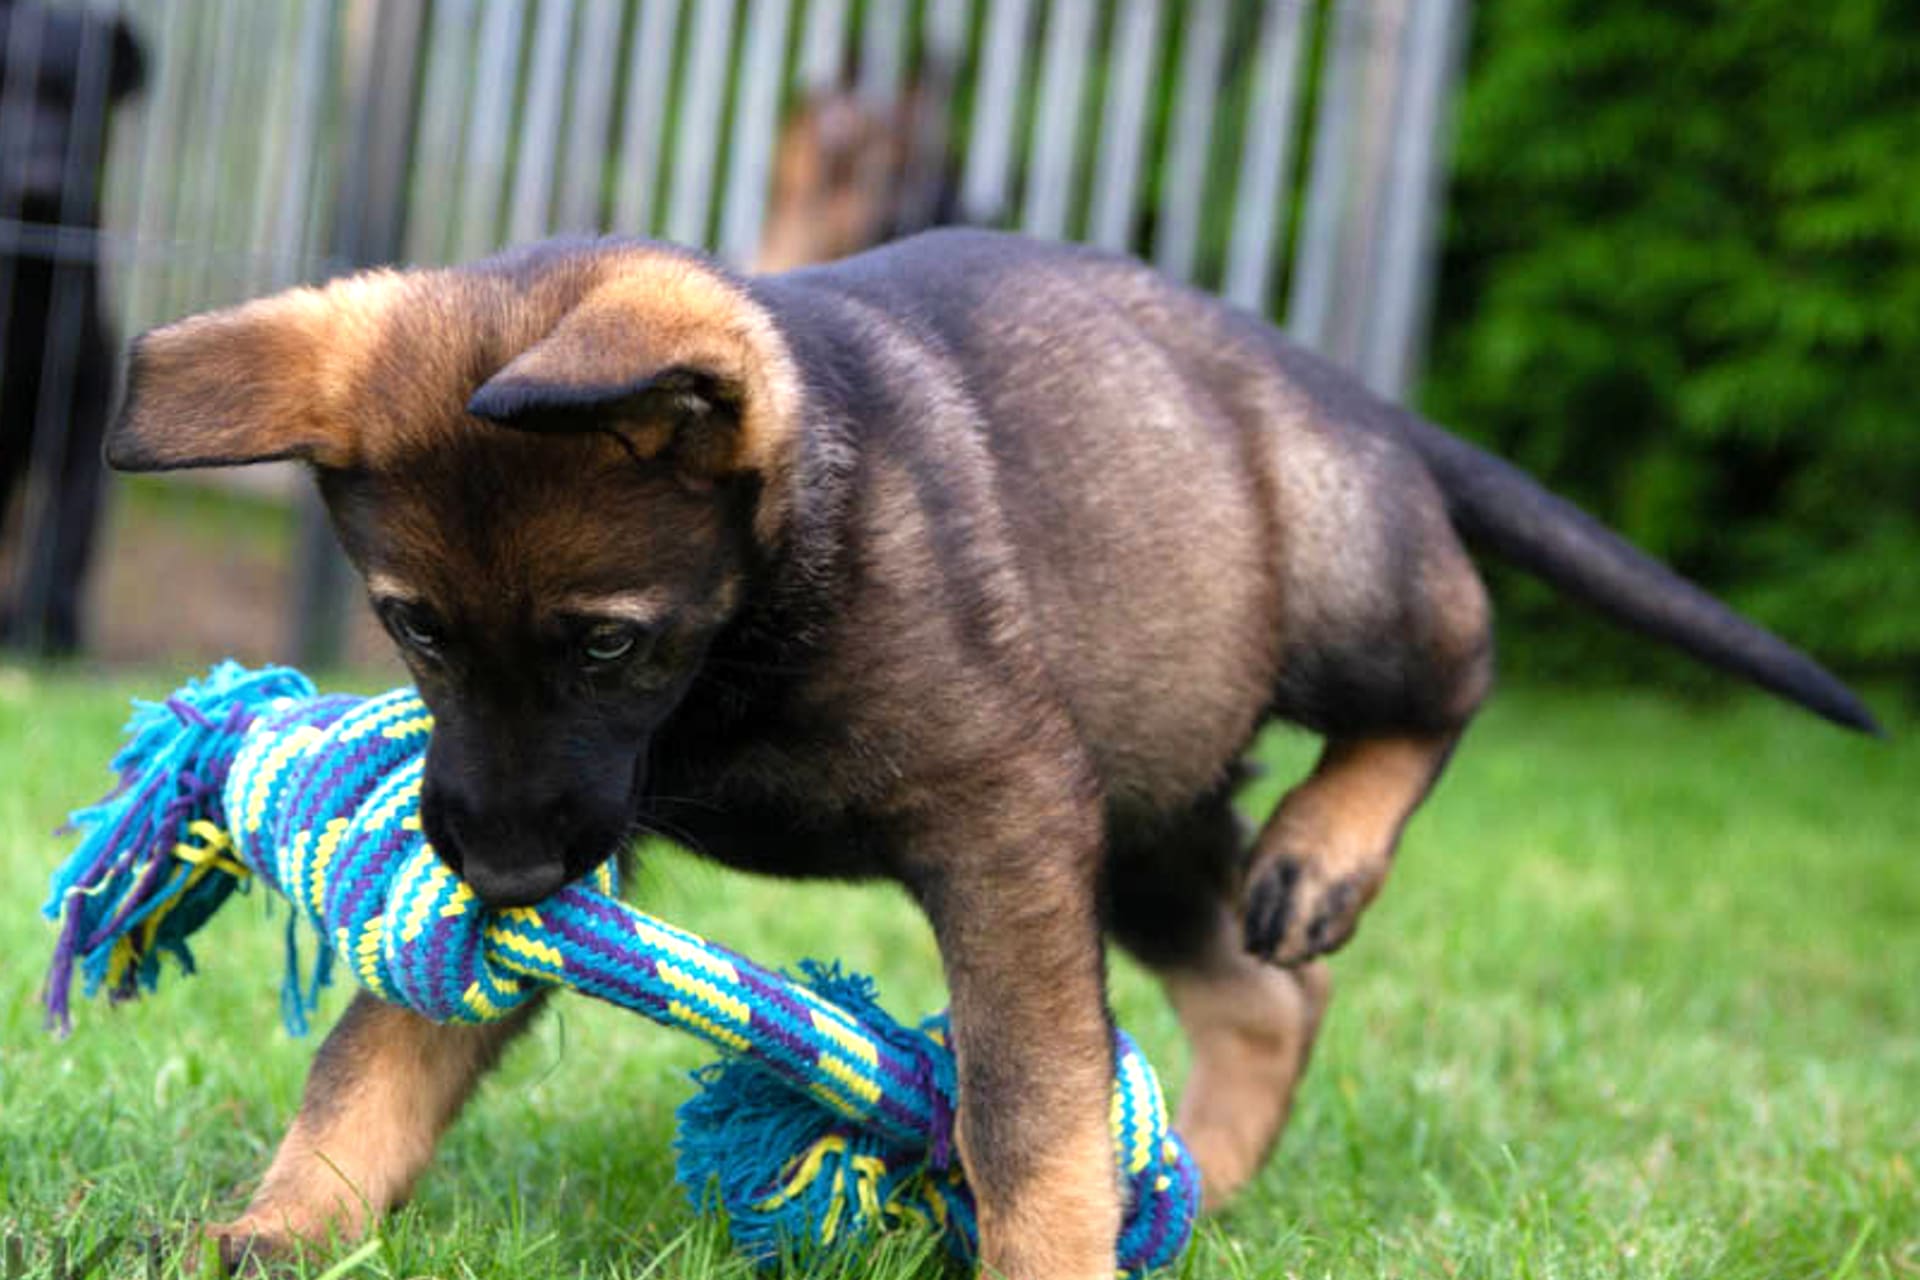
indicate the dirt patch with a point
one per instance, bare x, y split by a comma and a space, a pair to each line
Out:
188, 577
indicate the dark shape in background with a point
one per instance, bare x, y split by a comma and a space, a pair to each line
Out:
60, 72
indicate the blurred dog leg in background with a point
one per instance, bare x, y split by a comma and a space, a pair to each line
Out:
60, 72
851, 172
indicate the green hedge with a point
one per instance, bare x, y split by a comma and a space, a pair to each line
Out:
1681, 282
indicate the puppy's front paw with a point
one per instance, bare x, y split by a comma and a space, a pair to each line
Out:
265, 1242
247, 1246
1297, 909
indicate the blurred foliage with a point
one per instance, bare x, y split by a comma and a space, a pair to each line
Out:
1681, 283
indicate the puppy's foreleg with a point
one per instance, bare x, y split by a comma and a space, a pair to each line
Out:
383, 1087
1013, 903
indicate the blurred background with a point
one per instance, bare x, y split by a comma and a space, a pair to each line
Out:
1663, 253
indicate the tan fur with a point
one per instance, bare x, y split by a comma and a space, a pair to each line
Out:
1339, 828
1064, 1222
279, 377
1252, 1027
850, 171
634, 606
835, 170
648, 311
385, 1086
1464, 625
385, 586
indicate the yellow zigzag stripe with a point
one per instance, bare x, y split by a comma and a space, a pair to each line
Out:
276, 760
684, 947
851, 1041
378, 714
405, 794
407, 728
846, 1073
322, 855
834, 1098
688, 1016
421, 898
1140, 1153
516, 964
366, 956
476, 999
518, 945
726, 1002
822, 1005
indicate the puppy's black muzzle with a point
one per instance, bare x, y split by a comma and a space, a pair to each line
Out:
515, 853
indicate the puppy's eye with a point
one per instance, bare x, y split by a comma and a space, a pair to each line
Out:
415, 628
610, 643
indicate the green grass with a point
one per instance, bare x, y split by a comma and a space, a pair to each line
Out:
209, 514
1643, 999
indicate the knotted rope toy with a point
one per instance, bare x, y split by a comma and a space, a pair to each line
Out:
825, 1121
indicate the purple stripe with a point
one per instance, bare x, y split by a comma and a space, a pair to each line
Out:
766, 1031
157, 869
586, 951
375, 871
775, 1047
314, 787
187, 713
901, 1071
60, 980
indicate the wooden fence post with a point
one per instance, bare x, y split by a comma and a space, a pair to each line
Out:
382, 49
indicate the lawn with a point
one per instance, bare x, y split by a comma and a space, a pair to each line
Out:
1643, 999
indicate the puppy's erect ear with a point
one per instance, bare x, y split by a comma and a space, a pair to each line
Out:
265, 380
678, 360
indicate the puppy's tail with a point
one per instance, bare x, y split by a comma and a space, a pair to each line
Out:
1502, 510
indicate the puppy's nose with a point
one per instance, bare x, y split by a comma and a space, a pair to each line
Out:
515, 884
507, 863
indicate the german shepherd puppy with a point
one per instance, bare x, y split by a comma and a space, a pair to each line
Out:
970, 562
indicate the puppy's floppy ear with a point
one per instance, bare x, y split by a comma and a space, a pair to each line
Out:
688, 412
684, 365
265, 380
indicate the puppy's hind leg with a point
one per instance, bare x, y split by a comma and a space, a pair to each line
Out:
1325, 852
1392, 688
1173, 904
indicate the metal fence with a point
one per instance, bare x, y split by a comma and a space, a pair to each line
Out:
1283, 152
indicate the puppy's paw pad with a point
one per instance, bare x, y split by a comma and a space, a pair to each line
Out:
1294, 913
